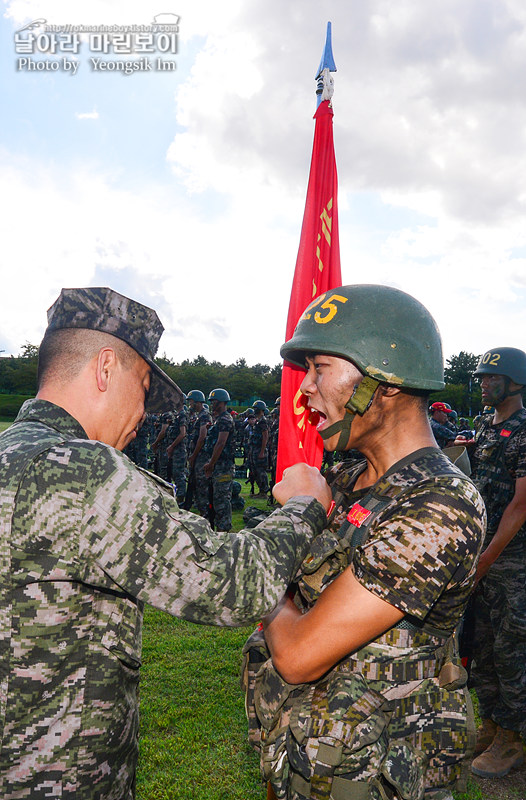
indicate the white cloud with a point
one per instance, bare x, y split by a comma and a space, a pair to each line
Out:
430, 121
87, 115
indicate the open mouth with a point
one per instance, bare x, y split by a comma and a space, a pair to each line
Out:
317, 418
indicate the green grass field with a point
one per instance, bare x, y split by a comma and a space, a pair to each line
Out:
193, 741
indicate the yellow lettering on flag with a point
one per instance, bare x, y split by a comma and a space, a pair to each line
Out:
300, 410
326, 222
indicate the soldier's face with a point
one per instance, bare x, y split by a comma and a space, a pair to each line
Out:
493, 389
328, 385
131, 387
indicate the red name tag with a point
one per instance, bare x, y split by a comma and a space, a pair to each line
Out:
357, 515
505, 433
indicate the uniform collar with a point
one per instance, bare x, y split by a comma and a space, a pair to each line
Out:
52, 416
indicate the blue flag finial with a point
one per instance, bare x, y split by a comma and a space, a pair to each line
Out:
327, 62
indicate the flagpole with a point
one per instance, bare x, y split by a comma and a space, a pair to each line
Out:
317, 271
327, 62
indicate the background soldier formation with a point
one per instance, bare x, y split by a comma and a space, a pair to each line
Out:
178, 445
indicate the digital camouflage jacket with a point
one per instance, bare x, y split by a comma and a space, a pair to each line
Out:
85, 539
498, 460
392, 720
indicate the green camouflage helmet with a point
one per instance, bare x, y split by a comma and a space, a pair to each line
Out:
219, 394
386, 333
507, 361
196, 395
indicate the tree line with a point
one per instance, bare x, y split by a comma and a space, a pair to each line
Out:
243, 382
18, 376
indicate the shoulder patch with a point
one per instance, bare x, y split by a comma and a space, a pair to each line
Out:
357, 515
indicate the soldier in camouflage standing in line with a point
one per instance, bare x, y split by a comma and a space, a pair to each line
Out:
162, 462
143, 441
86, 539
498, 673
365, 694
198, 483
176, 451
219, 468
273, 439
257, 448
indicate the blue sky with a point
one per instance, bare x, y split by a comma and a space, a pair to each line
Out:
186, 189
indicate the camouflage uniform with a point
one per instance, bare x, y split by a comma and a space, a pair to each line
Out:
164, 467
222, 476
499, 604
178, 459
143, 442
85, 539
442, 433
257, 465
137, 449
202, 483
393, 719
273, 446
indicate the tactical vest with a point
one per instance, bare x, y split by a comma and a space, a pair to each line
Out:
493, 479
342, 736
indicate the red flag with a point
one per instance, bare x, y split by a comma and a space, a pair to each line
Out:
317, 270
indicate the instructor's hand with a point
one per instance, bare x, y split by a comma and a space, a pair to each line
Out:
301, 479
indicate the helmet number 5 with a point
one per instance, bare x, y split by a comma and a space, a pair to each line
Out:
331, 308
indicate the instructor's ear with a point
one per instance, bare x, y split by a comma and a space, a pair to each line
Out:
106, 361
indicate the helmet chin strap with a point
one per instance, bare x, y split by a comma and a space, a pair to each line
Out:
358, 403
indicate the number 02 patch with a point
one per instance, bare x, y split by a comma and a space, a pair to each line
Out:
491, 358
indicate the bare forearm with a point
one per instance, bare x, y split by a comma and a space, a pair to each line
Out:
512, 521
346, 616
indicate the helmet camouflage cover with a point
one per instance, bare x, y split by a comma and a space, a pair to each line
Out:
385, 332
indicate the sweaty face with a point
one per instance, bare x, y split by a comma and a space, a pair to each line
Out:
493, 389
328, 385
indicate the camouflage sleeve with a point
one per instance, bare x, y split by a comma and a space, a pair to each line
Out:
426, 545
173, 560
225, 423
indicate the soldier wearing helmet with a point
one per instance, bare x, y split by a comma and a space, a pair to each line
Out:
219, 468
499, 657
198, 483
381, 709
257, 456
